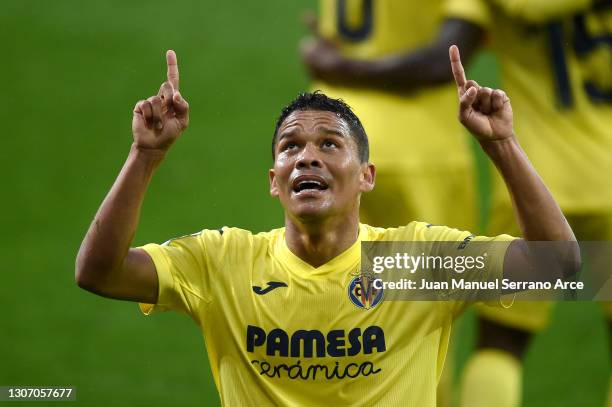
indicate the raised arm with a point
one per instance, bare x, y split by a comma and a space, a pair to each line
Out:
401, 72
105, 264
487, 114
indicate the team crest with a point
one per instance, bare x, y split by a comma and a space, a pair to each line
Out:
362, 293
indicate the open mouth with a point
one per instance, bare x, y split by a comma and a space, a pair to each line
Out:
309, 184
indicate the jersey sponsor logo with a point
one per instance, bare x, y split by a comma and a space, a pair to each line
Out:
313, 343
362, 293
271, 286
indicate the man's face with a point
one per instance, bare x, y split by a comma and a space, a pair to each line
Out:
317, 172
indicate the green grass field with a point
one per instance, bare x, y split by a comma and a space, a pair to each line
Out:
72, 72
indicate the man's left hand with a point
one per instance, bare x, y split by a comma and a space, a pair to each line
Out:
485, 112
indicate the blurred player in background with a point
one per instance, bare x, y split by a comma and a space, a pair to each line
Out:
388, 60
556, 64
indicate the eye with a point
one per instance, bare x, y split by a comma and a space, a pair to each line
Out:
330, 144
288, 146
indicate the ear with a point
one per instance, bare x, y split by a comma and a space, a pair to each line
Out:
368, 177
273, 185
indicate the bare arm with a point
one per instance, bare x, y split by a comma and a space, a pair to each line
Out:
537, 213
487, 114
105, 263
403, 72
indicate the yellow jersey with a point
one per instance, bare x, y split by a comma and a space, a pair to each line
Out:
414, 132
556, 66
281, 332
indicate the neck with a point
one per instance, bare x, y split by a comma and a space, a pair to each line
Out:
317, 242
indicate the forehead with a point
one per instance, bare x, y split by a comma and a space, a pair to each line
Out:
312, 121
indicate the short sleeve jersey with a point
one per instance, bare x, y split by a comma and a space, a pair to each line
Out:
281, 332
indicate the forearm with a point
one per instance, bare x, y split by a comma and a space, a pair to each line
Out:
488, 115
538, 214
422, 67
403, 72
108, 239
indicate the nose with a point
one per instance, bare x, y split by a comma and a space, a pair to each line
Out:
308, 157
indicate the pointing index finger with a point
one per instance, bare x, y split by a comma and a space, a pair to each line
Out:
173, 73
457, 67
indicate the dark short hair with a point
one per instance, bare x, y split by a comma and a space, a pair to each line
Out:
319, 101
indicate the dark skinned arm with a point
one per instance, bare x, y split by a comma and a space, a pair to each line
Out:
487, 114
105, 264
404, 72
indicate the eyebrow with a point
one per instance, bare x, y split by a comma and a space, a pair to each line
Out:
326, 130
284, 134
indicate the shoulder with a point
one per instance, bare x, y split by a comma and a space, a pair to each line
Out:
415, 231
404, 232
237, 238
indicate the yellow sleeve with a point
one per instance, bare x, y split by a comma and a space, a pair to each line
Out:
491, 250
539, 11
474, 11
184, 272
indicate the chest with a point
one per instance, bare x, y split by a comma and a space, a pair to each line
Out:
276, 312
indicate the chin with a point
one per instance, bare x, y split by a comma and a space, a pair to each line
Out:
309, 212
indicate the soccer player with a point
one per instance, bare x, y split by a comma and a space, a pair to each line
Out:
282, 322
555, 60
388, 60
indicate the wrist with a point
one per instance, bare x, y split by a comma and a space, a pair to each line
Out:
502, 152
151, 157
497, 146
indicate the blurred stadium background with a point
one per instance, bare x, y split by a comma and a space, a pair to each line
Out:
71, 73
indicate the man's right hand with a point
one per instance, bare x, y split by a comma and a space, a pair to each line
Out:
105, 264
160, 120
